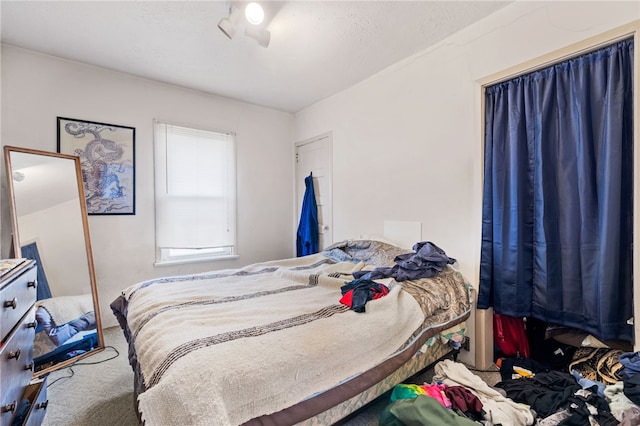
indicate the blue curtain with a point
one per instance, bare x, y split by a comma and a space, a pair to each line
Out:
307, 236
558, 183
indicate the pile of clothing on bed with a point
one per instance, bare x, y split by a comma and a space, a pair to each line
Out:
427, 261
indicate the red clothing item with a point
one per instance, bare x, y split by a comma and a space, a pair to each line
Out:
510, 335
364, 292
347, 299
462, 399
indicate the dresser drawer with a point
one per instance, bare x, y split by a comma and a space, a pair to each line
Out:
36, 394
16, 366
17, 295
33, 405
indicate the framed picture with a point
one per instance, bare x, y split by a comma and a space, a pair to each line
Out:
107, 158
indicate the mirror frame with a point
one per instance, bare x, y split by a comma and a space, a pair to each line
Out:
17, 252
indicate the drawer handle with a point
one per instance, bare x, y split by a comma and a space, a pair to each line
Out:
15, 354
13, 303
33, 324
31, 284
42, 405
9, 408
29, 367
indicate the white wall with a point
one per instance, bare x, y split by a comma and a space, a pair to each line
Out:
407, 142
37, 88
61, 247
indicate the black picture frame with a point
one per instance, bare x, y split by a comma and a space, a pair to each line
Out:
107, 159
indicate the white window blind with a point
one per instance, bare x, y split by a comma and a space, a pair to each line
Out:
195, 193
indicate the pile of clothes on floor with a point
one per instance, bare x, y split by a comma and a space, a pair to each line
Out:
527, 394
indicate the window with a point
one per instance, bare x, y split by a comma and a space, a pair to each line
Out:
195, 182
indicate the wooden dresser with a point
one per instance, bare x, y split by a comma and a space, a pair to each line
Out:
23, 401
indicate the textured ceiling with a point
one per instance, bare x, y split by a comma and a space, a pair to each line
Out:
317, 48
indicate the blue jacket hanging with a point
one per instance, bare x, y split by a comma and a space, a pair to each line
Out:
307, 236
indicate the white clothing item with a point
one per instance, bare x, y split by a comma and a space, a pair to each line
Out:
498, 408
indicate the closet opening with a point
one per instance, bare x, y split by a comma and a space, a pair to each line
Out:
559, 197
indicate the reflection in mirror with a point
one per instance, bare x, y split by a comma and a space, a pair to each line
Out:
51, 227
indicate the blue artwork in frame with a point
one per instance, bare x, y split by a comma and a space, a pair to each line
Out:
107, 159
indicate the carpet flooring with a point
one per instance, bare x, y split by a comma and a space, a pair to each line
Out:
98, 390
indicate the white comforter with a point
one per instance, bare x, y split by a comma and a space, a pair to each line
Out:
224, 347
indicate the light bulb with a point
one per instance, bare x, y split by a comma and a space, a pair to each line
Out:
254, 13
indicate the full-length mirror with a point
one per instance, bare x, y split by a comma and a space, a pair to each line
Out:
50, 226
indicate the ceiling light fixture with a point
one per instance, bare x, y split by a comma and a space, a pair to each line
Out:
254, 13
17, 176
228, 25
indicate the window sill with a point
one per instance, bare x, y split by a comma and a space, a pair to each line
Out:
198, 260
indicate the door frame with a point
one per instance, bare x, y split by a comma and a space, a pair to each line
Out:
297, 207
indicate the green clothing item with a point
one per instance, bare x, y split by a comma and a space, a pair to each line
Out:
403, 391
421, 411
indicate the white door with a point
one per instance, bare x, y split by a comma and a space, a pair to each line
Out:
316, 156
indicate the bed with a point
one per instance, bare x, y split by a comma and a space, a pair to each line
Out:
271, 343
